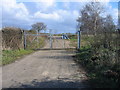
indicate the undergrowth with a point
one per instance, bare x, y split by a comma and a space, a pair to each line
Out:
100, 71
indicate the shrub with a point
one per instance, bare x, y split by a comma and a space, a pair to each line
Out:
11, 38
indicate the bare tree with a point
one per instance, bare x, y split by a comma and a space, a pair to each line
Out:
109, 29
39, 26
90, 17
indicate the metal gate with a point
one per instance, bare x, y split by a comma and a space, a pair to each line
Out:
64, 41
36, 41
50, 41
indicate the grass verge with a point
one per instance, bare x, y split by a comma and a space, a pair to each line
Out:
9, 56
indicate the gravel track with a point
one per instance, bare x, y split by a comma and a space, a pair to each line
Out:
45, 69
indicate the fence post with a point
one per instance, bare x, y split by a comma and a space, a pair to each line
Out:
24, 39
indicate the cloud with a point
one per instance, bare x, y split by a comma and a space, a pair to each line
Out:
66, 5
14, 14
45, 5
48, 16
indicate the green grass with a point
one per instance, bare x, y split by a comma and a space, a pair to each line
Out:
9, 56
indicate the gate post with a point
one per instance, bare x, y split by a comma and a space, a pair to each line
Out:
24, 34
50, 39
79, 33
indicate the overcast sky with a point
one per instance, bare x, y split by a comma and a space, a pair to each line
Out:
58, 15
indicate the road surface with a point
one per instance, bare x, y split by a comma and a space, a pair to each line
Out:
45, 69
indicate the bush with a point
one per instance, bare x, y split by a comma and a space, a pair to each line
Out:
11, 38
101, 57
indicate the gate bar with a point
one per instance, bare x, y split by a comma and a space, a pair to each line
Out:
37, 34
